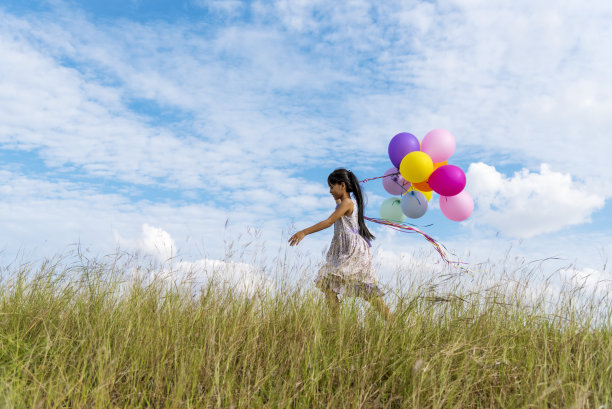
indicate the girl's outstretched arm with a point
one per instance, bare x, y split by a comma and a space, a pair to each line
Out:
345, 206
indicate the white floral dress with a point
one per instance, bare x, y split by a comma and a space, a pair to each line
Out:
348, 269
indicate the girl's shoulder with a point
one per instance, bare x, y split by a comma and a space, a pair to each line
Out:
350, 202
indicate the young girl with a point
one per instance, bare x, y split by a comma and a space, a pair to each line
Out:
348, 268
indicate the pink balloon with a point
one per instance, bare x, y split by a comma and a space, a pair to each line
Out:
458, 207
447, 180
395, 185
439, 144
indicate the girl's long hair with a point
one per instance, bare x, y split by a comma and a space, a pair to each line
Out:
352, 186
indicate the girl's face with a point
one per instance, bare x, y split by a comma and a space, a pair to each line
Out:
337, 190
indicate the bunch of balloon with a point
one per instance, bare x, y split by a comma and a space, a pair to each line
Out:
419, 169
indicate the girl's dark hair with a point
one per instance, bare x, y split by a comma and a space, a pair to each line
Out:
352, 186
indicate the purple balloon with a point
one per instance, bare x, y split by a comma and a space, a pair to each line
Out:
401, 145
447, 180
395, 185
457, 208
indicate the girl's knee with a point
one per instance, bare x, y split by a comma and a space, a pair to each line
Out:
329, 293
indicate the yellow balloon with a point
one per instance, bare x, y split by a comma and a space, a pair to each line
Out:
416, 167
428, 194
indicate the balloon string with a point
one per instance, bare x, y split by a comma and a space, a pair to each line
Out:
411, 228
379, 177
440, 248
386, 176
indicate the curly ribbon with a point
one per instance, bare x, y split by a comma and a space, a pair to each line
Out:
405, 228
408, 229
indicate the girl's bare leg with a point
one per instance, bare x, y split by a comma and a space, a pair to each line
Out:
332, 301
380, 306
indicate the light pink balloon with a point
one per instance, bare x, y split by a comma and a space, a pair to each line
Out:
458, 207
395, 185
439, 144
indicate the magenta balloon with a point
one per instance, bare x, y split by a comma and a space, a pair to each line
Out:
447, 180
395, 185
457, 208
401, 145
439, 144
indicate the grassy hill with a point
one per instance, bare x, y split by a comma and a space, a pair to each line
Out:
84, 336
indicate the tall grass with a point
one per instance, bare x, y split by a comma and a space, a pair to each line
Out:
92, 334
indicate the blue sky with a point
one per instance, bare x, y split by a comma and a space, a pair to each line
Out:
180, 115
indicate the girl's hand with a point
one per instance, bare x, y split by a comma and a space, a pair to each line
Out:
296, 238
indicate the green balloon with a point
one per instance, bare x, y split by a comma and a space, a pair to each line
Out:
391, 210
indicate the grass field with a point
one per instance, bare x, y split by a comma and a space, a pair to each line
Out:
82, 335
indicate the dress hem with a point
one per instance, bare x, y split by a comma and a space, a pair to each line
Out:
342, 286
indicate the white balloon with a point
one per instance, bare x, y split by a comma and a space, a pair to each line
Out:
414, 204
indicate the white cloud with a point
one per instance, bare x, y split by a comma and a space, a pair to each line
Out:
590, 281
243, 277
157, 242
240, 276
528, 203
401, 269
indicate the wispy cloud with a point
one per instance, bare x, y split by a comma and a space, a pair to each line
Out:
230, 123
230, 7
